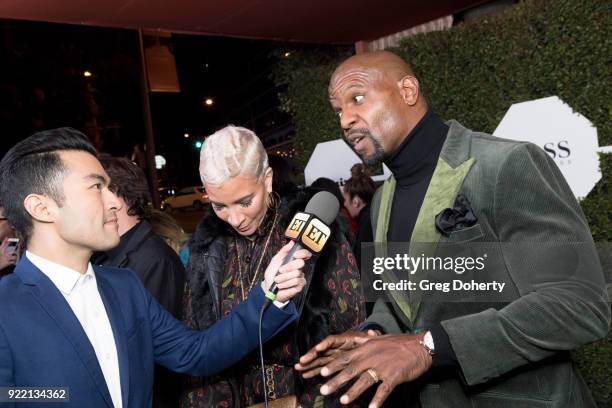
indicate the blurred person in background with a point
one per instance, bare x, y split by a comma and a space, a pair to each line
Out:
357, 193
166, 227
243, 228
8, 257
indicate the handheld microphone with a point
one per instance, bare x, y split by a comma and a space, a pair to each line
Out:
310, 229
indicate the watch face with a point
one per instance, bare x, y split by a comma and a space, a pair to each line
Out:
428, 340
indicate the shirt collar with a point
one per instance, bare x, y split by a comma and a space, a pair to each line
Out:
64, 278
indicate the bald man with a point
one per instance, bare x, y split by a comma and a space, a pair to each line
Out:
450, 185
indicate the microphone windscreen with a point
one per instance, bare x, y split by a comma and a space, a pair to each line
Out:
325, 206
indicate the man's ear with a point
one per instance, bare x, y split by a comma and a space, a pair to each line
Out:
40, 207
409, 89
268, 179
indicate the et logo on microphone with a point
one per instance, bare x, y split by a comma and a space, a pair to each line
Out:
309, 231
315, 235
297, 225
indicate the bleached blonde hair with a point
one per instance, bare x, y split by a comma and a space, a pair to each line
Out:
230, 152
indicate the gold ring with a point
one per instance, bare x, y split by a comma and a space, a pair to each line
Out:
373, 374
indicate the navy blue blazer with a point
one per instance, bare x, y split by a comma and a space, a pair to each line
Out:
42, 343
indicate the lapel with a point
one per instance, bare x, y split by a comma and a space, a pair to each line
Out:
111, 303
53, 303
453, 166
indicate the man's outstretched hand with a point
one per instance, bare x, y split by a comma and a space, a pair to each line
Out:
327, 350
369, 359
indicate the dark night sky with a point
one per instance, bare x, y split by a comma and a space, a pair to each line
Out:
42, 86
235, 73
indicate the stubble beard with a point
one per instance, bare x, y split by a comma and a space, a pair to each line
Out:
379, 153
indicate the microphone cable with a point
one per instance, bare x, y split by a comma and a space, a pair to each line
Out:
261, 352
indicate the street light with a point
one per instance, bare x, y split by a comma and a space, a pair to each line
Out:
198, 144
186, 135
209, 102
87, 74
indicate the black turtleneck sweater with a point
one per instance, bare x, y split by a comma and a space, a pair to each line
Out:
412, 166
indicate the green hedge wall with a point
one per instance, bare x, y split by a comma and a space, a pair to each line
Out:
473, 73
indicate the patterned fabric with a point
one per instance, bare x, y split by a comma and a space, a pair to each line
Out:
242, 385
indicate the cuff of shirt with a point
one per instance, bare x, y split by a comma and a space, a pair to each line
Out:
372, 326
444, 355
280, 305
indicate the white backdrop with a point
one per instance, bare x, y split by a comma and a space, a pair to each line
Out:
567, 136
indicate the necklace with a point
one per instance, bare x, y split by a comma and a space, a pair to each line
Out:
263, 254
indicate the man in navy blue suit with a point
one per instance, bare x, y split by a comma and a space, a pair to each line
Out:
96, 331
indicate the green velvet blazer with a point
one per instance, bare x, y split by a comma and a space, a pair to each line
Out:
513, 351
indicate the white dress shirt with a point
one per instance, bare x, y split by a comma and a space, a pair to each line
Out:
81, 293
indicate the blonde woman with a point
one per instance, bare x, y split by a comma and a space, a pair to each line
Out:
166, 227
242, 231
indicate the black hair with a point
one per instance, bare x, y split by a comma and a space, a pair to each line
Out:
33, 166
329, 185
360, 184
129, 182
